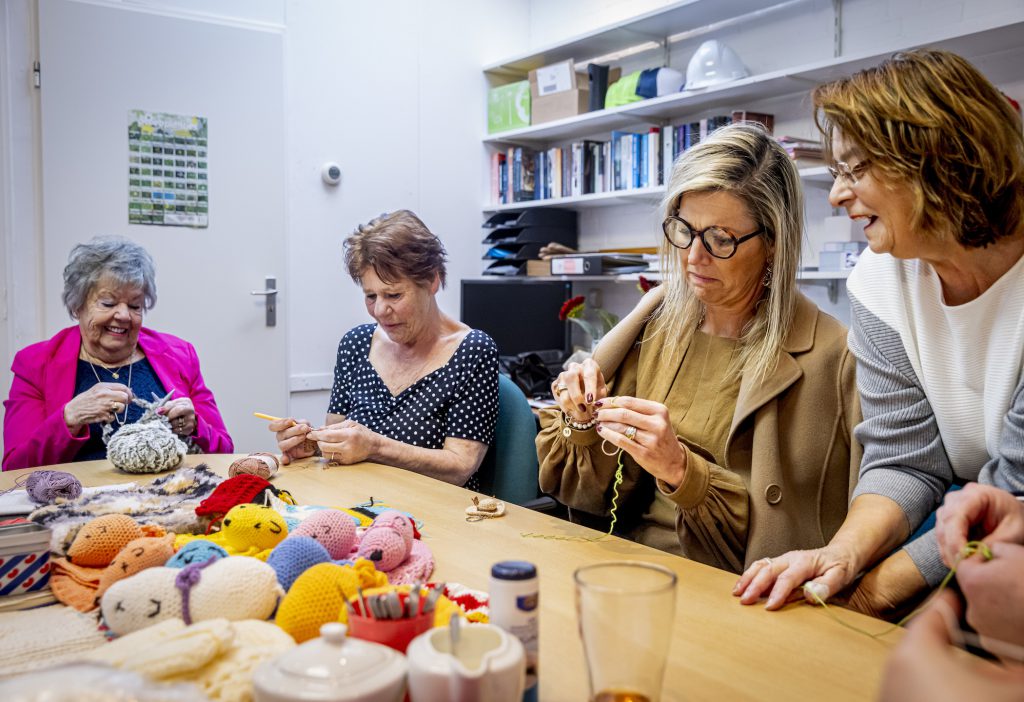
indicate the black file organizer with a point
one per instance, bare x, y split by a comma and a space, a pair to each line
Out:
521, 235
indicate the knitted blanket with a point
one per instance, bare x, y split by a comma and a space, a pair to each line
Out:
169, 501
37, 638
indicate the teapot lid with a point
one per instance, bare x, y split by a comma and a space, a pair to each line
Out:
332, 667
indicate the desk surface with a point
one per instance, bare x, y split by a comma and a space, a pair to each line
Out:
720, 649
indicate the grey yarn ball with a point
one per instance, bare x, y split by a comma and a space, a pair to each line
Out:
149, 447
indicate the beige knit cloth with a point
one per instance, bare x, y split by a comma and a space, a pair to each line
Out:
38, 638
216, 655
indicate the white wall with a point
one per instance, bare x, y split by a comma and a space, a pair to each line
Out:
393, 92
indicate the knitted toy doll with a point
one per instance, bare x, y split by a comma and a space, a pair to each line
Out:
239, 490
74, 580
333, 528
247, 530
389, 543
233, 588
198, 551
318, 597
294, 556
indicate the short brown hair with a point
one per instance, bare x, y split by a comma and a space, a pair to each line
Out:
396, 245
931, 120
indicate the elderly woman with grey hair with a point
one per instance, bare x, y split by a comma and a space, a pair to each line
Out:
67, 387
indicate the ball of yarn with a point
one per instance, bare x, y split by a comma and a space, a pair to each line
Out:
264, 465
45, 486
145, 448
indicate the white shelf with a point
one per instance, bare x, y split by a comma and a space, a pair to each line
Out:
818, 175
1007, 39
583, 202
804, 275
652, 26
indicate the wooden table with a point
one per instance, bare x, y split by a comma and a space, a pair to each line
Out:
720, 650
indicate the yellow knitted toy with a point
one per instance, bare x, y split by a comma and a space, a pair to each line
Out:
318, 596
246, 530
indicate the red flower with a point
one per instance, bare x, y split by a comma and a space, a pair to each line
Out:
646, 284
569, 306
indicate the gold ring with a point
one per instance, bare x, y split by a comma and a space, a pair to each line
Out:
561, 388
630, 433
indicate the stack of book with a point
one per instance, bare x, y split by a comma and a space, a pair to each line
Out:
806, 152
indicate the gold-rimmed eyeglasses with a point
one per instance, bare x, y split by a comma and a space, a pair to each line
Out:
851, 174
717, 241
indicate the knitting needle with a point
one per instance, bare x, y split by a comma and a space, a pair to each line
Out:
271, 418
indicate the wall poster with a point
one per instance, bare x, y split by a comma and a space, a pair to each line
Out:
167, 169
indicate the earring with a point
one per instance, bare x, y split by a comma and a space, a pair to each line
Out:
766, 281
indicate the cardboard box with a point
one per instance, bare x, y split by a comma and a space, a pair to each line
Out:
562, 103
538, 268
508, 107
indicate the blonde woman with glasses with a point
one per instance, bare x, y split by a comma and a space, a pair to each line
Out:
930, 156
730, 395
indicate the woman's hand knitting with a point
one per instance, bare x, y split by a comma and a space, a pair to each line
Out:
181, 413
643, 429
346, 443
97, 404
577, 388
292, 439
978, 511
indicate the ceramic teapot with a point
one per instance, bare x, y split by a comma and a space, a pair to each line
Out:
332, 668
487, 665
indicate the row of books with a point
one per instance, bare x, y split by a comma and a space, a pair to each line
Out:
627, 161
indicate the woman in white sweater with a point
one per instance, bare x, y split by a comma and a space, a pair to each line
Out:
930, 155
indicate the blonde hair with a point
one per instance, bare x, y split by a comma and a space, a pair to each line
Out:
932, 121
396, 245
744, 161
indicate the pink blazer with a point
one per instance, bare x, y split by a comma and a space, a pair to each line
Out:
44, 381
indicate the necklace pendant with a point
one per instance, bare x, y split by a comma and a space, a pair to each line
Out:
116, 375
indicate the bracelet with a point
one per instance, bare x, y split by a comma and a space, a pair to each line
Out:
578, 426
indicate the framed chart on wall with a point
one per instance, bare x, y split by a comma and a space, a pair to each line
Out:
167, 169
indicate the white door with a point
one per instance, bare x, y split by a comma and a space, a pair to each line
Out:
100, 61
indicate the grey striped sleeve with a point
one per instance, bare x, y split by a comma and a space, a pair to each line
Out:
904, 458
1006, 469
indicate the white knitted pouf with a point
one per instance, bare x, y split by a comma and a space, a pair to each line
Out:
149, 447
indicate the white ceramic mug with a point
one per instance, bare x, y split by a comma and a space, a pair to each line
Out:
489, 665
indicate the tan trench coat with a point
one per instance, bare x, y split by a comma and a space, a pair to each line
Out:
791, 457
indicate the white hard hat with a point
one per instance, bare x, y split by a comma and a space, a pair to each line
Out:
714, 62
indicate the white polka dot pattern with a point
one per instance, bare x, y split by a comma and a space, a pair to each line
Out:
459, 399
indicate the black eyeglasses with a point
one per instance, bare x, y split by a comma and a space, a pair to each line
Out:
717, 241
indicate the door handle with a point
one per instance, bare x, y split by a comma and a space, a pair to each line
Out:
270, 299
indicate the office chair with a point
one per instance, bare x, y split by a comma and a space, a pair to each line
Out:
509, 470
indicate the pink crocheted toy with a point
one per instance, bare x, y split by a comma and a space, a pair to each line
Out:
334, 529
390, 544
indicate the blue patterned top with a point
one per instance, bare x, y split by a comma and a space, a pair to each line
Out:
459, 399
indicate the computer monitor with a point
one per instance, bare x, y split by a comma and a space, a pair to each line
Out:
520, 315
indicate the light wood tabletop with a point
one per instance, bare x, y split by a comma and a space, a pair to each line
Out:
720, 649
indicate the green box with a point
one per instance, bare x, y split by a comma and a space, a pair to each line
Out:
508, 107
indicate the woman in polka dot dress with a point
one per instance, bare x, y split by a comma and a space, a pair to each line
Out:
417, 389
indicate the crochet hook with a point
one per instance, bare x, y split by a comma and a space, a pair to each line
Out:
270, 417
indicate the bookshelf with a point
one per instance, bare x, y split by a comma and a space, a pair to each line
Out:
995, 46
